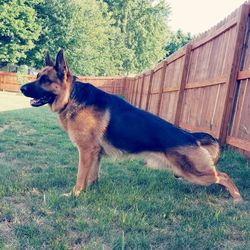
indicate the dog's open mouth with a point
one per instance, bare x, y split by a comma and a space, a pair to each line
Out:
41, 101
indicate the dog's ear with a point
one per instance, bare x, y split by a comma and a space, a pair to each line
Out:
48, 60
61, 64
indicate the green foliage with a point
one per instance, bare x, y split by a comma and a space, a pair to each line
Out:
22, 73
176, 41
100, 37
94, 40
55, 17
82, 29
18, 29
143, 29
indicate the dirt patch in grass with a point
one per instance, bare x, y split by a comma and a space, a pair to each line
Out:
13, 212
13, 101
20, 128
5, 228
3, 128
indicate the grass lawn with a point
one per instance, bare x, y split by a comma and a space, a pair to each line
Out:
132, 207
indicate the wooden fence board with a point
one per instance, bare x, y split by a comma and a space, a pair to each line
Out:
114, 85
235, 67
183, 82
149, 90
145, 90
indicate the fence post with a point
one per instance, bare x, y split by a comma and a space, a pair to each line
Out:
137, 90
1, 81
4, 83
142, 87
149, 88
165, 63
184, 78
124, 87
128, 88
133, 92
235, 67
113, 87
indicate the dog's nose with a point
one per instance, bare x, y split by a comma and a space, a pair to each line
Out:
23, 89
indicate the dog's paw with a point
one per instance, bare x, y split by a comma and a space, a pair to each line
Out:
238, 200
76, 191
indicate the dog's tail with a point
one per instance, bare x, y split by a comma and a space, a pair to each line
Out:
209, 143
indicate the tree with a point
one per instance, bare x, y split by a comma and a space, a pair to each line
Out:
18, 29
176, 41
143, 30
95, 40
100, 37
82, 29
55, 18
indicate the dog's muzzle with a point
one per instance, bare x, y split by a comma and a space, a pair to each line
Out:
40, 96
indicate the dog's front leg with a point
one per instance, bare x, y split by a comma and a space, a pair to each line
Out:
93, 175
87, 155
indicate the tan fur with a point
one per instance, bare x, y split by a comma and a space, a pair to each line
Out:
154, 163
85, 127
214, 151
198, 157
111, 150
202, 160
93, 175
204, 171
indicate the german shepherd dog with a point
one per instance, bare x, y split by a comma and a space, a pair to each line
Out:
98, 122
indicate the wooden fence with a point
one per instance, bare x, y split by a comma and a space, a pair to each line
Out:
113, 85
202, 87
205, 85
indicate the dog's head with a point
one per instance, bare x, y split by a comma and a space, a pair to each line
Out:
52, 85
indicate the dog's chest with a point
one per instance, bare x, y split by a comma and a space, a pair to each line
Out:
63, 122
84, 126
68, 115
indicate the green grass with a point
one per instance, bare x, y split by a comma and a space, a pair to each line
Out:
131, 207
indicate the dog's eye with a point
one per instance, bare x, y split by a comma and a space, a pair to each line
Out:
45, 79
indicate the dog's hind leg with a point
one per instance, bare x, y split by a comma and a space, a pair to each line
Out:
224, 180
195, 165
216, 177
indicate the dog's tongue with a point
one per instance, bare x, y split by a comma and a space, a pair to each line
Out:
39, 102
35, 102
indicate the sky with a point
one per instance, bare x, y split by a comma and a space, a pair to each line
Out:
197, 16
